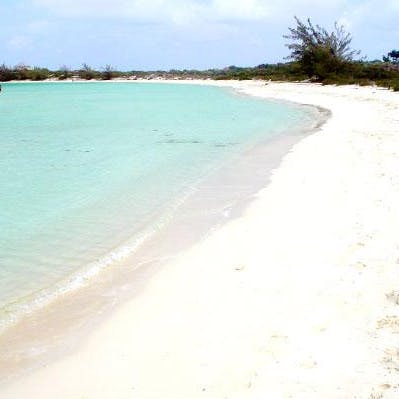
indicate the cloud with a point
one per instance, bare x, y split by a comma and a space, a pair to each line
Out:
38, 26
174, 11
182, 12
370, 13
19, 42
185, 32
238, 9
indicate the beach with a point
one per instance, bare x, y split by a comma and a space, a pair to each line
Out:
296, 297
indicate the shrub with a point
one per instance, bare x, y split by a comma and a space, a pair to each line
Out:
395, 85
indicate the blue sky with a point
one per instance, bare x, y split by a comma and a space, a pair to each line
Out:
165, 34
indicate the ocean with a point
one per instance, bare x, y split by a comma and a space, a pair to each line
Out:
90, 171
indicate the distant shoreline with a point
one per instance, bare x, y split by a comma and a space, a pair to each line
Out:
136, 79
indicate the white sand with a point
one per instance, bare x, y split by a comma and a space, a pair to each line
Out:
295, 299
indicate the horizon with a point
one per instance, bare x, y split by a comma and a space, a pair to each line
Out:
177, 34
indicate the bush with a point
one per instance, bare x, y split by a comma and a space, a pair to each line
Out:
108, 73
6, 74
395, 85
87, 73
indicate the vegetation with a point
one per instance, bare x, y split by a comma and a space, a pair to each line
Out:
107, 73
392, 57
23, 72
87, 73
321, 54
328, 58
64, 73
315, 55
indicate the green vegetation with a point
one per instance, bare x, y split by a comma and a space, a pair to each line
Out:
392, 57
64, 73
87, 73
320, 54
354, 72
395, 85
108, 73
23, 72
316, 55
327, 57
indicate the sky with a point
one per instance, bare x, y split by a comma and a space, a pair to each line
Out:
180, 34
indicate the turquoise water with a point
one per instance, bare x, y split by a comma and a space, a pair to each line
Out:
89, 170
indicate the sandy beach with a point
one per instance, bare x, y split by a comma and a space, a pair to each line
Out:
296, 298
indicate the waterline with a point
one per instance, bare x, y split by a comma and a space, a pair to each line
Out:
209, 197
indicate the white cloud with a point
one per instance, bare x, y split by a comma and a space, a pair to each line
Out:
178, 11
249, 9
198, 17
371, 13
188, 11
38, 26
19, 42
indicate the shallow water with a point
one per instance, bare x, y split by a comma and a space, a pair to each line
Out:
88, 171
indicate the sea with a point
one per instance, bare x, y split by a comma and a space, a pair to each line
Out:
89, 172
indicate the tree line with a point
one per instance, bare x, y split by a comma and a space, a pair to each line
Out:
25, 72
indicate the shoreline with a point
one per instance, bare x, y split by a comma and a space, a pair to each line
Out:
220, 336
84, 288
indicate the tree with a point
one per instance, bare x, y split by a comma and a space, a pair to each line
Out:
318, 51
21, 71
64, 72
393, 57
108, 72
86, 72
37, 73
6, 73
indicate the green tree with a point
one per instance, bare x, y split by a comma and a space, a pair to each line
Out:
38, 73
86, 72
319, 52
6, 73
393, 57
64, 72
108, 72
21, 71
